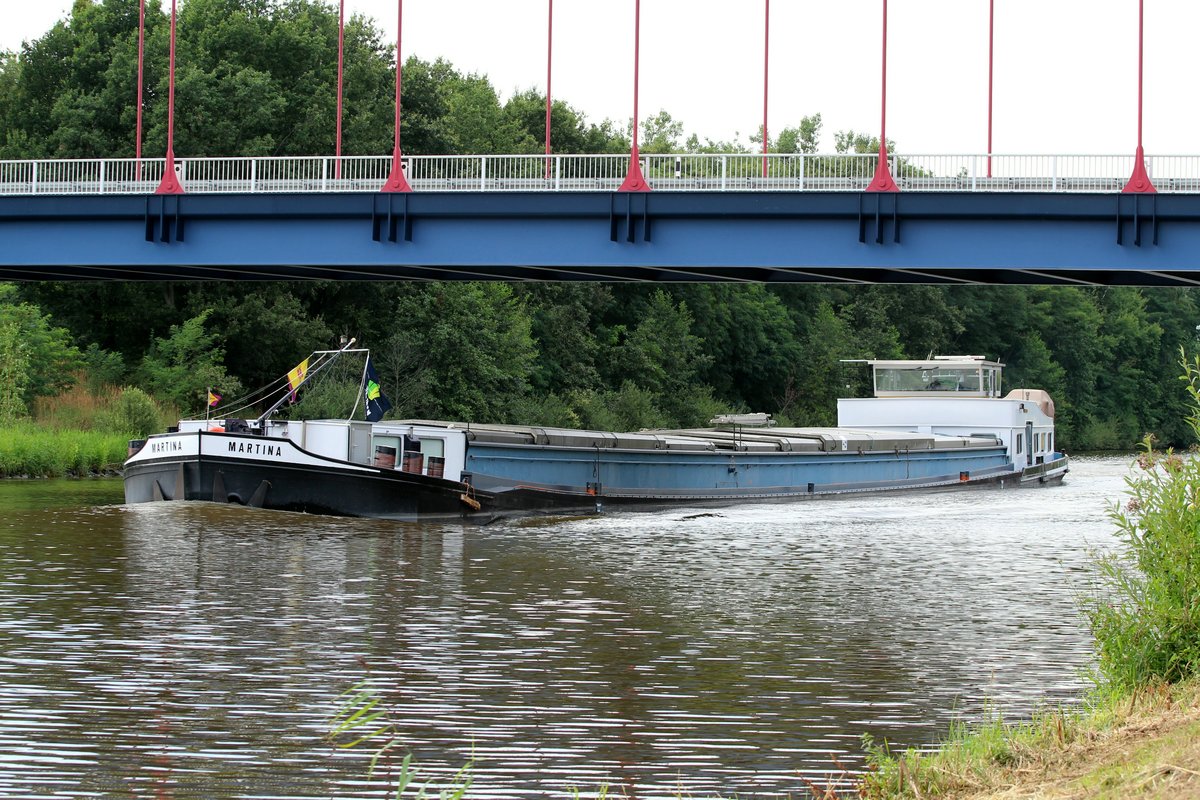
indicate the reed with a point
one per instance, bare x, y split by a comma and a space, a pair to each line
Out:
35, 452
82, 408
365, 719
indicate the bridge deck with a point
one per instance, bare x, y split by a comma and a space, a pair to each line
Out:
917, 237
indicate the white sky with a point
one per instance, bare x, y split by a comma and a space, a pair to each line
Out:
1066, 70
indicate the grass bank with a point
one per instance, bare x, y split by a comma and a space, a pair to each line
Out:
30, 451
1142, 745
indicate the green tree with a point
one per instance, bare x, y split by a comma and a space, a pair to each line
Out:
184, 364
14, 373
750, 343
803, 138
818, 384
250, 318
569, 129
564, 319
661, 133
662, 356
467, 346
40, 358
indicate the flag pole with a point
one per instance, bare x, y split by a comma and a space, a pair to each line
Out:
207, 402
362, 387
307, 375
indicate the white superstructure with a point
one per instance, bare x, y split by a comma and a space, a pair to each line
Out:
957, 396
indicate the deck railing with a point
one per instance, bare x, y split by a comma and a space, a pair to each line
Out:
601, 173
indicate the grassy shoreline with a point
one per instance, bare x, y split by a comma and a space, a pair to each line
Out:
1145, 744
35, 452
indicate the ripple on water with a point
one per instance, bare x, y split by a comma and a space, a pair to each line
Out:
199, 650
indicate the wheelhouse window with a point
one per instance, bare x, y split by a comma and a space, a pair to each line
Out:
948, 376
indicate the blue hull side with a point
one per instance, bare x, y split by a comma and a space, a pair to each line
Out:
667, 474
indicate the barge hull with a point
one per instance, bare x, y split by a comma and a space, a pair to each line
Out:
294, 480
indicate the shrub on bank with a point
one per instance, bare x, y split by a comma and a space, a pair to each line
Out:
134, 412
41, 453
1143, 611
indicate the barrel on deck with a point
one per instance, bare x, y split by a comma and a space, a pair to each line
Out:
385, 456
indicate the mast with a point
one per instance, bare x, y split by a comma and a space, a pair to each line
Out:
266, 414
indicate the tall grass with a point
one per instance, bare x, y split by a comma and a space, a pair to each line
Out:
79, 409
33, 452
84, 431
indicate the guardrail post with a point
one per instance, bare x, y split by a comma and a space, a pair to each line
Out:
1054, 173
253, 175
102, 162
802, 172
324, 174
557, 173
724, 171
974, 172
33, 184
483, 173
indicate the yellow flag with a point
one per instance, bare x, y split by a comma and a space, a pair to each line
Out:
297, 375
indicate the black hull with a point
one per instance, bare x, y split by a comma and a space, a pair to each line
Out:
390, 494
383, 494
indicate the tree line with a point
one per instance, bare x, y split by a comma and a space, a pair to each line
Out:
255, 77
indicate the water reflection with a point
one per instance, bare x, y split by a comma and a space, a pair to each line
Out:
198, 650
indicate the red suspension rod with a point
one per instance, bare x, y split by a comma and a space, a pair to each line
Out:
397, 182
170, 181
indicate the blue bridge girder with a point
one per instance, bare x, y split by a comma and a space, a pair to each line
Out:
927, 237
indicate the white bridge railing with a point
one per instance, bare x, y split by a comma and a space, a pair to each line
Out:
601, 173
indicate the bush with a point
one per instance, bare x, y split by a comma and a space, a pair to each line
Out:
134, 412
1144, 610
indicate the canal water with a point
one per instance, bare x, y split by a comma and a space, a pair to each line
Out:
174, 650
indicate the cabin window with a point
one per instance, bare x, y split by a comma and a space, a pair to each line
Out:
433, 447
1019, 443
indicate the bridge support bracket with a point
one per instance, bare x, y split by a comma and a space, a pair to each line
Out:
872, 206
396, 220
631, 207
1130, 208
164, 218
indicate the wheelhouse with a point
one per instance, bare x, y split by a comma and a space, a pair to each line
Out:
953, 376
